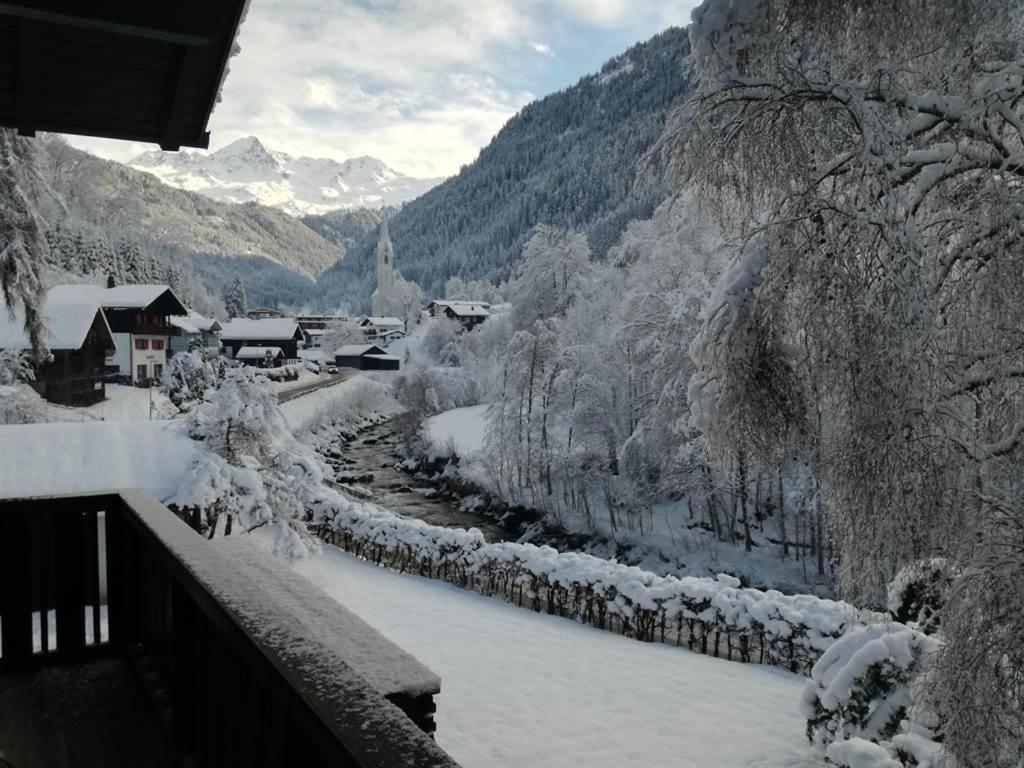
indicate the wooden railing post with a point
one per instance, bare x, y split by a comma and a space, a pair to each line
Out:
15, 586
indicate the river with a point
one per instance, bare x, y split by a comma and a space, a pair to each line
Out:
368, 471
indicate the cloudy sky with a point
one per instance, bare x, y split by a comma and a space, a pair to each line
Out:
420, 84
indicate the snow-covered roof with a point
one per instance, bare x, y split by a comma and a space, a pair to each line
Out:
383, 357
193, 322
394, 332
90, 456
242, 328
382, 322
67, 315
457, 302
357, 350
258, 353
119, 297
316, 331
467, 310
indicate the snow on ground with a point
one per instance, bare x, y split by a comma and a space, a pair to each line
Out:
352, 403
536, 691
125, 403
66, 458
411, 345
461, 428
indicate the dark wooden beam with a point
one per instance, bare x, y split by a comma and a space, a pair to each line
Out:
28, 76
189, 66
184, 22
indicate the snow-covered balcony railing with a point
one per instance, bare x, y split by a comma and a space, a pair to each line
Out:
246, 666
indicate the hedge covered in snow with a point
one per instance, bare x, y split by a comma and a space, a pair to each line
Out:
710, 615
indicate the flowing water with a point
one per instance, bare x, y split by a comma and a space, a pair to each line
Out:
367, 470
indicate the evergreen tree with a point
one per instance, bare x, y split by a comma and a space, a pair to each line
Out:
233, 296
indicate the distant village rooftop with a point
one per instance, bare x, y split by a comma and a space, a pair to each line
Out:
269, 328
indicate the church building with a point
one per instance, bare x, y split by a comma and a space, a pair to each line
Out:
386, 272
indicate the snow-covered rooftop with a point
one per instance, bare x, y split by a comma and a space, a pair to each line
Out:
118, 297
258, 353
383, 322
90, 456
461, 302
242, 328
67, 315
356, 350
193, 322
468, 310
383, 357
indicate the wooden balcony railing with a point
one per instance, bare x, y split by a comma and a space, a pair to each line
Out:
236, 679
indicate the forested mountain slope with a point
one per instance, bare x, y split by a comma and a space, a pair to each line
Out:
126, 203
571, 159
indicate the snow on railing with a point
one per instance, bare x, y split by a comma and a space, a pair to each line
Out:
704, 613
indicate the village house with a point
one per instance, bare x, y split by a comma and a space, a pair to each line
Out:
469, 313
365, 357
263, 313
139, 318
261, 357
79, 340
280, 332
194, 331
379, 328
438, 307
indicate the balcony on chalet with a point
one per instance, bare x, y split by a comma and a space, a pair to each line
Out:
126, 639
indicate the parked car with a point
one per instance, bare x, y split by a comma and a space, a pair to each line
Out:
311, 366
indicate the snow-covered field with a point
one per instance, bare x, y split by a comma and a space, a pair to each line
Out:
461, 428
130, 404
535, 691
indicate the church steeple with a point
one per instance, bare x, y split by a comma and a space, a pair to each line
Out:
385, 266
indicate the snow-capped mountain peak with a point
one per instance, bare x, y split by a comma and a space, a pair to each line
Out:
246, 170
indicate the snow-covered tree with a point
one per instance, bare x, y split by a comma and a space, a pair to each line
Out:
554, 270
404, 300
233, 297
340, 333
869, 157
256, 472
189, 376
23, 248
441, 341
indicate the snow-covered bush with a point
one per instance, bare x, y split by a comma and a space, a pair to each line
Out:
862, 689
15, 367
919, 592
283, 372
256, 472
709, 615
188, 377
20, 404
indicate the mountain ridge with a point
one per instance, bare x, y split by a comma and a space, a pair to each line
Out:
246, 170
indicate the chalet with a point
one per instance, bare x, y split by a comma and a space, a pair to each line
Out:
139, 316
313, 322
281, 332
365, 357
79, 340
261, 357
263, 313
439, 307
375, 327
470, 315
192, 331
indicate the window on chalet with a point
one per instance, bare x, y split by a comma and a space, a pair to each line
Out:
142, 343
158, 343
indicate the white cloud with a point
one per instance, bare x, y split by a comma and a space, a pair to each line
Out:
420, 84
542, 48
